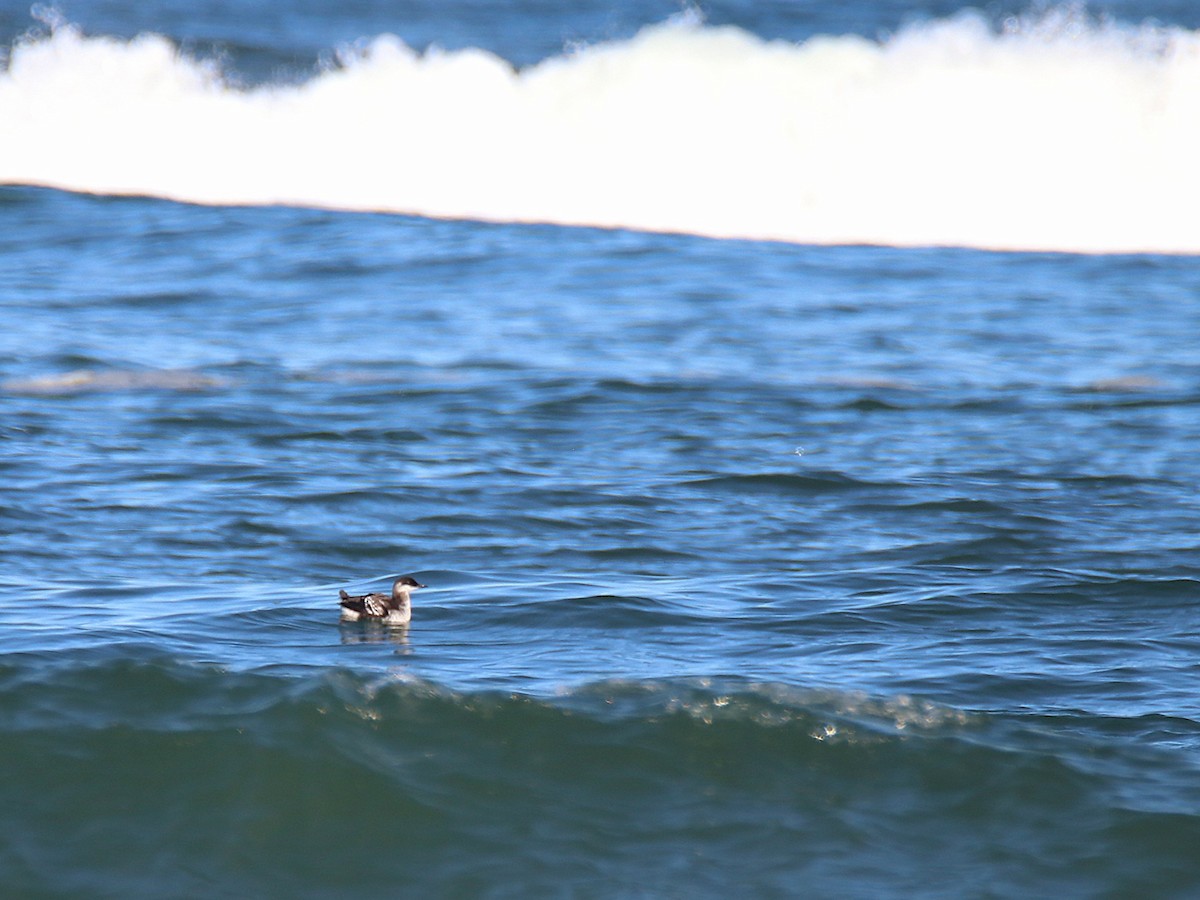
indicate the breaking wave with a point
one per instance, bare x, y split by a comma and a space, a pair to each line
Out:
1050, 132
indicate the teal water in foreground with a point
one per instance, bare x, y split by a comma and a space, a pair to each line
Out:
149, 777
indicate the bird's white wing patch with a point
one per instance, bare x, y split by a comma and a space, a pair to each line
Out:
373, 606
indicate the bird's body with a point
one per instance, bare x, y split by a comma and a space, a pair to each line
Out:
394, 609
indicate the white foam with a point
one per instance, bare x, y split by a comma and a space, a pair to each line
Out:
1055, 133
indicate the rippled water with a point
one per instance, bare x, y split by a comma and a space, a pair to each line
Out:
752, 567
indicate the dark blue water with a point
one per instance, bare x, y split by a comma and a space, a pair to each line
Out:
758, 568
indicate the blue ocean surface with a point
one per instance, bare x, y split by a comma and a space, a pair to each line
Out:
792, 409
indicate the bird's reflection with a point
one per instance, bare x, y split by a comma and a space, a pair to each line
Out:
375, 633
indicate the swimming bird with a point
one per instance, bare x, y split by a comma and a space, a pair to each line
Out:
393, 610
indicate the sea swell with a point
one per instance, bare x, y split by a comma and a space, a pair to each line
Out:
127, 772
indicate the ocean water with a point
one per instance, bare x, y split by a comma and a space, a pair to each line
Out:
793, 409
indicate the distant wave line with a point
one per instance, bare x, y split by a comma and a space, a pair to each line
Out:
1057, 132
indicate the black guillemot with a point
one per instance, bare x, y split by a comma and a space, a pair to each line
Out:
390, 610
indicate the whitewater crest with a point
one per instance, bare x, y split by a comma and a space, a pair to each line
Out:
1056, 132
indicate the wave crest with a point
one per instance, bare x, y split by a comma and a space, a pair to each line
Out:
1054, 132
